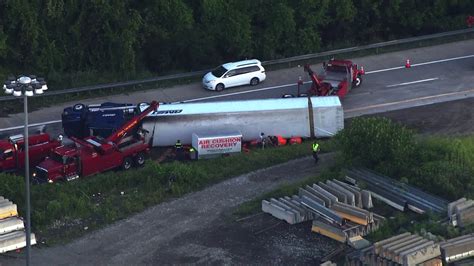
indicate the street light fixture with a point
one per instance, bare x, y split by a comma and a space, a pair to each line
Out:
26, 86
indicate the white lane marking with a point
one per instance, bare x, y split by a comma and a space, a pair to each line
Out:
421, 64
31, 125
411, 82
444, 60
383, 70
274, 87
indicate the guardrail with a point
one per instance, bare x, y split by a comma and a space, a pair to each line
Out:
265, 63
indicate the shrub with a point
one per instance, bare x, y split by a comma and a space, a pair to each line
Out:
377, 143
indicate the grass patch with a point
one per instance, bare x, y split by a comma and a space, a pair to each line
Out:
63, 211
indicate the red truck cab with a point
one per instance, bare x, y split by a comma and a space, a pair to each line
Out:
12, 151
338, 78
350, 70
61, 164
90, 156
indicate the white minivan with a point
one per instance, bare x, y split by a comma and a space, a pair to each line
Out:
234, 74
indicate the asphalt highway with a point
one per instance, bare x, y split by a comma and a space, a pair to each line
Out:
437, 74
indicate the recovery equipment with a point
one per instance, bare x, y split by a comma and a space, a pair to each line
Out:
92, 155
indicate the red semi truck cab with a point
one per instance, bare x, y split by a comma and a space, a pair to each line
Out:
12, 151
92, 155
338, 78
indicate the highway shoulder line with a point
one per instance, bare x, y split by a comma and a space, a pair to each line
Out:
411, 82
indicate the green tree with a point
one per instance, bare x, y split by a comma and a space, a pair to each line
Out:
340, 29
367, 22
105, 35
227, 27
22, 24
168, 26
274, 29
310, 18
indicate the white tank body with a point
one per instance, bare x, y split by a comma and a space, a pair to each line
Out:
284, 116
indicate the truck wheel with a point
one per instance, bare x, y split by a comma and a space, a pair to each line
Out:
220, 87
79, 107
254, 81
127, 163
357, 82
140, 159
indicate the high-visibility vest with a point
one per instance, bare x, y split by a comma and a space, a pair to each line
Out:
178, 145
315, 147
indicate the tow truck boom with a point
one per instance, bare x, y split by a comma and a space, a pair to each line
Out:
316, 87
127, 127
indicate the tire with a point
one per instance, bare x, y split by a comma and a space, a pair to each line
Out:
127, 163
254, 81
140, 159
220, 87
79, 107
357, 82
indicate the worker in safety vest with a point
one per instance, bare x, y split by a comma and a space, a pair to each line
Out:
178, 144
179, 150
315, 150
262, 140
192, 154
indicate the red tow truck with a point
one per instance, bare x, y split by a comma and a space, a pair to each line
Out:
92, 155
338, 78
12, 151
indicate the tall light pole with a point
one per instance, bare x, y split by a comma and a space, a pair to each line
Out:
26, 86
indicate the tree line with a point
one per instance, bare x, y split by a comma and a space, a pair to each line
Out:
127, 38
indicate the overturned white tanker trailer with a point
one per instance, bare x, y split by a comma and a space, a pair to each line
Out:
288, 117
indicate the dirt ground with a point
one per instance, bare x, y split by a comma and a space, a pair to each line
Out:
200, 229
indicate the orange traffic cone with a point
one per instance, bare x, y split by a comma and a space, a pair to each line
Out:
407, 64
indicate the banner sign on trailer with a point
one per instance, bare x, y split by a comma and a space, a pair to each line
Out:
217, 144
